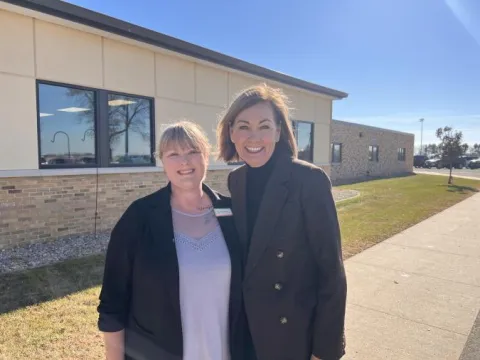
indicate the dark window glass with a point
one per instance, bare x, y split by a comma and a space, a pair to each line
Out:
373, 153
336, 153
303, 132
236, 162
401, 154
67, 126
129, 123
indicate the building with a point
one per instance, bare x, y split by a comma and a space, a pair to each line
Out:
360, 152
83, 98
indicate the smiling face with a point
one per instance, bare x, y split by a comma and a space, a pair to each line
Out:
184, 151
254, 133
185, 167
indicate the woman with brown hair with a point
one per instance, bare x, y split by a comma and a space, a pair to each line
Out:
294, 283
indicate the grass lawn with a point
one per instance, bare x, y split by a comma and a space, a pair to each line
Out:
386, 207
62, 322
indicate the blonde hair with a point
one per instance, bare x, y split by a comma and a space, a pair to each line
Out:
246, 99
184, 134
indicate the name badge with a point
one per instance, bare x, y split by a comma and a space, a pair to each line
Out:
223, 212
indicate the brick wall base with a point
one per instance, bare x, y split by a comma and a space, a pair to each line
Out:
37, 209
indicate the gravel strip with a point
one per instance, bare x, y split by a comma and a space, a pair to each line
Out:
77, 246
41, 254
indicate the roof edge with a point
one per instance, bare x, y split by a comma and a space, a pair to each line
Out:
372, 127
113, 25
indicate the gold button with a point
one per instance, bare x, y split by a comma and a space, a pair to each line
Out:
278, 286
283, 320
280, 254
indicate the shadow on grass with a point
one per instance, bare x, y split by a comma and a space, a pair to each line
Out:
460, 189
34, 286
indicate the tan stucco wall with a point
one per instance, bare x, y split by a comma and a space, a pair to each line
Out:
182, 87
128, 68
18, 123
16, 44
66, 55
355, 163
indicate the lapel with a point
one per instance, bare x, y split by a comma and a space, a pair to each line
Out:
271, 207
165, 252
230, 235
240, 204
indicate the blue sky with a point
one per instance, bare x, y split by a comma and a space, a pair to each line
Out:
398, 60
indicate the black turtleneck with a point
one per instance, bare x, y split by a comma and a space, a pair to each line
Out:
257, 179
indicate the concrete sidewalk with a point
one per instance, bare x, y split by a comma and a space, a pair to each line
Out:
454, 175
416, 295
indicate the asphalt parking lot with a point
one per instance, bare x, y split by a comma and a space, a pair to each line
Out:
456, 172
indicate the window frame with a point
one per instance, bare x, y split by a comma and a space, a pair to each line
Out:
40, 82
294, 124
152, 129
370, 153
101, 126
401, 154
332, 152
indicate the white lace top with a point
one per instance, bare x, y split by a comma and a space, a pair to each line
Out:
204, 267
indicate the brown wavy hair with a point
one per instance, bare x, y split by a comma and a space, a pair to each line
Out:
246, 99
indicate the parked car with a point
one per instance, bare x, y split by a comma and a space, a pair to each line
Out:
474, 164
469, 158
419, 160
433, 162
440, 162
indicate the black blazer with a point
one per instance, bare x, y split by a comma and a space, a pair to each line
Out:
295, 286
140, 291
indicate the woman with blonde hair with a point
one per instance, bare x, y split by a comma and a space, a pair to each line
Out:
172, 280
294, 284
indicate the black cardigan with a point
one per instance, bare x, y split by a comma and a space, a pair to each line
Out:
140, 292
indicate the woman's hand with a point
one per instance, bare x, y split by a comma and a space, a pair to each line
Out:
114, 345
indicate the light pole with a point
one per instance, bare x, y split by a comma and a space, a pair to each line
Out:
421, 136
86, 132
68, 140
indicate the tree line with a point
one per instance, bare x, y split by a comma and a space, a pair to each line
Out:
434, 149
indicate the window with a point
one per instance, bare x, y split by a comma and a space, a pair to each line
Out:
336, 153
235, 163
129, 130
304, 135
81, 127
66, 116
401, 154
373, 153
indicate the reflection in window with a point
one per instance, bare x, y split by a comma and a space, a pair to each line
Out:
373, 153
401, 154
336, 153
129, 122
66, 124
304, 135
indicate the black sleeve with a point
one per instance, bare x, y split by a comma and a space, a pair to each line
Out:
116, 287
323, 233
